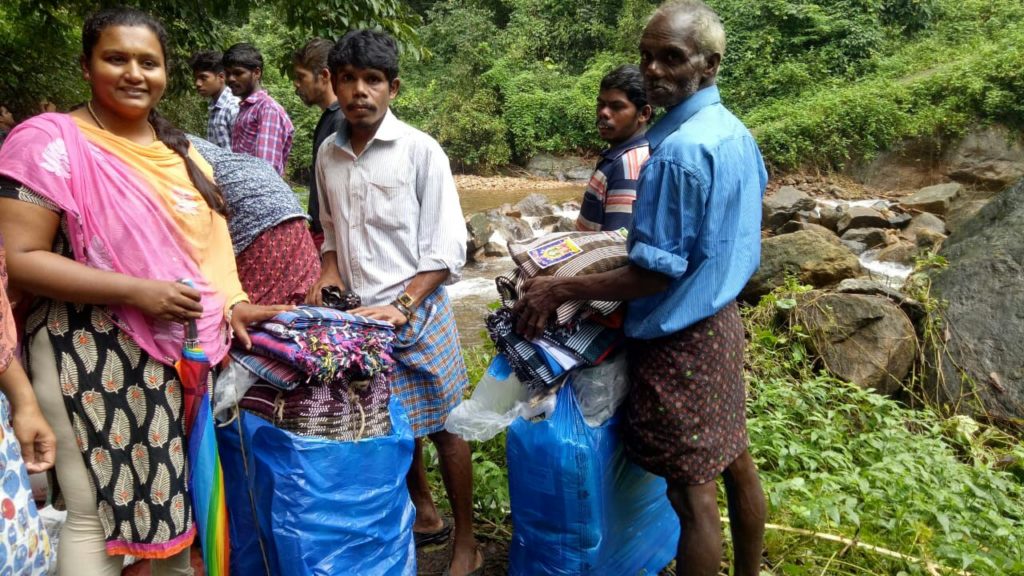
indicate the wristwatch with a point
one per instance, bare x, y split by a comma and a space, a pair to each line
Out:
405, 304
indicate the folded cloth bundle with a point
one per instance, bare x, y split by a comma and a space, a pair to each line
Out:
564, 255
341, 410
273, 372
585, 340
325, 343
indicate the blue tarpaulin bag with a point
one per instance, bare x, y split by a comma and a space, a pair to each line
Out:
578, 506
303, 506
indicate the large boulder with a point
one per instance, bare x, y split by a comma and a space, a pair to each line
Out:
934, 199
982, 356
783, 206
861, 217
804, 254
862, 339
796, 225
992, 157
535, 205
572, 168
493, 227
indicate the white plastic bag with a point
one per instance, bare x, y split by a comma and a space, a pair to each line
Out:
232, 383
499, 398
601, 389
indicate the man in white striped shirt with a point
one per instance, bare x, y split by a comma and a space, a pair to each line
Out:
394, 234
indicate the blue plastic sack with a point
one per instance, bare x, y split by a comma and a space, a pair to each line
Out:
578, 506
302, 506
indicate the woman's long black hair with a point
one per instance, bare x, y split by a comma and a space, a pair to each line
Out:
172, 136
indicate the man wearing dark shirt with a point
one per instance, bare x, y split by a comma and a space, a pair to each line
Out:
313, 85
622, 118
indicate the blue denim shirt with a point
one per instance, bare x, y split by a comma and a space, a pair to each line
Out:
697, 217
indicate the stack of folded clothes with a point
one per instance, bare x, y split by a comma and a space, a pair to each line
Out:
583, 333
322, 373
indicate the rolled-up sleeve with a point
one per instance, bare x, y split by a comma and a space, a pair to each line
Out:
442, 230
666, 218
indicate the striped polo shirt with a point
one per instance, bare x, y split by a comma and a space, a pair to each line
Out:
611, 191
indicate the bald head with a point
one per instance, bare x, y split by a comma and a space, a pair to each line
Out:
701, 21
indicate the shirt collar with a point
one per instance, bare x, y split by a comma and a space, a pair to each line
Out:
222, 99
680, 113
620, 149
333, 107
254, 97
390, 129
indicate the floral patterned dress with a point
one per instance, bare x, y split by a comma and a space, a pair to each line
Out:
24, 545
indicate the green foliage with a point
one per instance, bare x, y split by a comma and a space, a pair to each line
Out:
840, 460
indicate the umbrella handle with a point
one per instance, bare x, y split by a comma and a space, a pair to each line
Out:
191, 329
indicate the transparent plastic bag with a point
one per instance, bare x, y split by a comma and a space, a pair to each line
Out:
601, 389
498, 399
231, 384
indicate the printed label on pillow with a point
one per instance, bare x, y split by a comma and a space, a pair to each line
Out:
554, 252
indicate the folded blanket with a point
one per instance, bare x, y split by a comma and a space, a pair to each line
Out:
274, 372
342, 410
565, 255
325, 343
587, 341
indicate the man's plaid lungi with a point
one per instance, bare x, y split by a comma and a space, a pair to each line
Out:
429, 376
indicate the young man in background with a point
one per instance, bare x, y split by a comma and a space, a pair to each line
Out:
262, 128
208, 74
312, 82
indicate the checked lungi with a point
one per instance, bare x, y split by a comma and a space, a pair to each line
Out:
429, 376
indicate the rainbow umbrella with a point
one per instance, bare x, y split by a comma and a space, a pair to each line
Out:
205, 476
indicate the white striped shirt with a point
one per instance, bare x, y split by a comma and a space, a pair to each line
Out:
391, 212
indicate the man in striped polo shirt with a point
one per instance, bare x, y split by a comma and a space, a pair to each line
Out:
622, 118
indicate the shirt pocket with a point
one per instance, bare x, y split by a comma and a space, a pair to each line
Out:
391, 202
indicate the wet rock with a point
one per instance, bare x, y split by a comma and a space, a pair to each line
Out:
535, 205
962, 212
869, 237
925, 221
555, 223
495, 250
862, 339
991, 157
829, 216
795, 226
783, 206
855, 247
804, 254
983, 284
898, 219
901, 252
911, 307
570, 206
861, 217
480, 228
928, 240
493, 227
935, 199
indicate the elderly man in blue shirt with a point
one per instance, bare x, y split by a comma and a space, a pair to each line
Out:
695, 242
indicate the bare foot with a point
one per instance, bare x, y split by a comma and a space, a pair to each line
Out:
466, 561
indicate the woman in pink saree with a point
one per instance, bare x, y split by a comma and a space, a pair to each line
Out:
104, 210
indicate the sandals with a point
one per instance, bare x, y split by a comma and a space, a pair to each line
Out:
429, 538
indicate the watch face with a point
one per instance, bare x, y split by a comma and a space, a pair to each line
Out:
405, 299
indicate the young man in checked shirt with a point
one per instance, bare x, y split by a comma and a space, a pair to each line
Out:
208, 73
262, 128
394, 235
